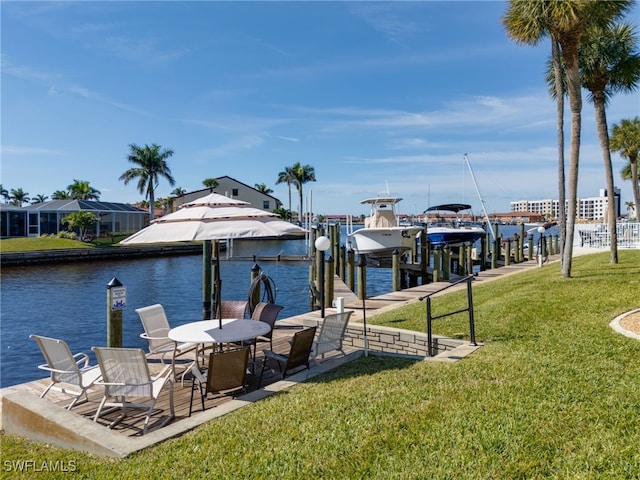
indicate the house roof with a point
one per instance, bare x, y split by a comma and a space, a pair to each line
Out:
76, 205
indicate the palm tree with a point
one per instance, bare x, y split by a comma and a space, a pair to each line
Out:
40, 198
302, 174
609, 63
81, 190
178, 192
625, 139
152, 164
210, 183
19, 197
287, 176
630, 207
565, 21
262, 188
60, 195
5, 193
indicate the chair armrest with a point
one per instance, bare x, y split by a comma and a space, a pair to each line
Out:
81, 357
147, 337
274, 355
198, 375
45, 366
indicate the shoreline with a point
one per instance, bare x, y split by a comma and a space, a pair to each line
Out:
43, 257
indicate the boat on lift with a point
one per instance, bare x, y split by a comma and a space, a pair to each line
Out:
450, 229
383, 233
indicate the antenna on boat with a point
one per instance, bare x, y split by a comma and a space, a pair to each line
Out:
484, 210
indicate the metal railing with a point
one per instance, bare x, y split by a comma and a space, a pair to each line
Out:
598, 236
472, 330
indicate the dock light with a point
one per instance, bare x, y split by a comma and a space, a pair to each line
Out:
541, 230
322, 245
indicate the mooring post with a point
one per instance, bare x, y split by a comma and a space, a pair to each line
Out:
116, 301
351, 266
395, 271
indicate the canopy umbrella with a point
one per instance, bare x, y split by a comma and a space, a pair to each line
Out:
213, 217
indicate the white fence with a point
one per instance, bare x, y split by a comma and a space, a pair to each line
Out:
598, 236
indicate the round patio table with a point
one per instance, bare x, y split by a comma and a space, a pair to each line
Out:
209, 331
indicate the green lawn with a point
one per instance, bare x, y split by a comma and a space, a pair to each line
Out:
554, 393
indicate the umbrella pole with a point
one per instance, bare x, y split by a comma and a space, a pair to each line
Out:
206, 279
217, 283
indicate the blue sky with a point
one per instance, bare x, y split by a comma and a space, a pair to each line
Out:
371, 94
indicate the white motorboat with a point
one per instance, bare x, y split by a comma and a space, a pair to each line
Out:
382, 233
451, 231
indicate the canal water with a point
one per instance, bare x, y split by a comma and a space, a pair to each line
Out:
70, 301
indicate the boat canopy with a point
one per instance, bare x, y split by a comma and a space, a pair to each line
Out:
450, 207
381, 200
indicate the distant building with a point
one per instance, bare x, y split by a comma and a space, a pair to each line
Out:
592, 208
232, 188
46, 218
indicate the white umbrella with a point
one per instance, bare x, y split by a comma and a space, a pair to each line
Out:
213, 217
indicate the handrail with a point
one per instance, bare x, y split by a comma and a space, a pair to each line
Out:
430, 317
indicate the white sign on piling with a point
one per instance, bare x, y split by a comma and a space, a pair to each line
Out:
118, 298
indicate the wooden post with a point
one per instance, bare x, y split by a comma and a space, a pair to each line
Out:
351, 266
395, 271
531, 256
522, 237
437, 264
342, 264
507, 253
114, 317
330, 272
424, 257
446, 263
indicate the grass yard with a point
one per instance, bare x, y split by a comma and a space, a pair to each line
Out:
554, 393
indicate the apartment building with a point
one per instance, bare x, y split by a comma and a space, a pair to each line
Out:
591, 208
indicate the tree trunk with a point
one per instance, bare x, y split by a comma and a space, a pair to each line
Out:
562, 195
570, 54
152, 202
603, 136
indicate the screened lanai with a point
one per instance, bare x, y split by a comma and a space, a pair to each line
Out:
46, 218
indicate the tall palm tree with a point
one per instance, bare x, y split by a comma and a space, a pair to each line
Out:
565, 21
60, 195
210, 183
262, 188
19, 197
302, 174
151, 165
625, 139
81, 190
287, 176
609, 63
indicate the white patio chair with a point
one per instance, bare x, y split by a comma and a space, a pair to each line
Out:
67, 369
156, 332
331, 334
125, 376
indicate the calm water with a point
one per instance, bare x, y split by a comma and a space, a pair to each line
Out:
70, 301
